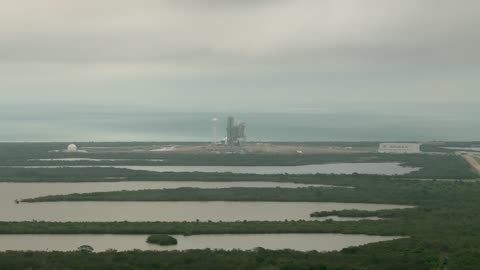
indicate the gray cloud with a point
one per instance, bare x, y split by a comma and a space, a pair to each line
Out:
160, 30
331, 49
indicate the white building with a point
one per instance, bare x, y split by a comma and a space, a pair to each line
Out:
399, 148
72, 148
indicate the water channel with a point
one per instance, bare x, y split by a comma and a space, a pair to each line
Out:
300, 242
155, 211
381, 168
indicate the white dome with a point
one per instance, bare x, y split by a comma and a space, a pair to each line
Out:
72, 148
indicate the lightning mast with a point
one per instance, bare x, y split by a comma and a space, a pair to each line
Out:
214, 126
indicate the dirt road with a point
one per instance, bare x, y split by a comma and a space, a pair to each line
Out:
473, 162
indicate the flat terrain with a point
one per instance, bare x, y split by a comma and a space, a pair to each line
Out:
284, 148
442, 231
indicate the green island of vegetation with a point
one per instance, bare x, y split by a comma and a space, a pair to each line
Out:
162, 240
366, 190
309, 194
354, 213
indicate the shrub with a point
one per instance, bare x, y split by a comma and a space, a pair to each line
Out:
162, 240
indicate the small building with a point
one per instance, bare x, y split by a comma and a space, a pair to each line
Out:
399, 148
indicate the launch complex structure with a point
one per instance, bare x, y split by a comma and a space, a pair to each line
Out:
235, 132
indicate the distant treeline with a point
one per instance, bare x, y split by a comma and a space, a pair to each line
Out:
399, 254
97, 174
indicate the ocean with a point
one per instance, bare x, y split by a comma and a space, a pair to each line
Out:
82, 123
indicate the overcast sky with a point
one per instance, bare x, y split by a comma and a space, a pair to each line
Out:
239, 54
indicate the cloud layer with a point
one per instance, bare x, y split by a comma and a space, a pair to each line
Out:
305, 52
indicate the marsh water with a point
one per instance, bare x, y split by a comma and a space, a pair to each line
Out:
300, 242
173, 211
154, 211
387, 168
382, 168
170, 211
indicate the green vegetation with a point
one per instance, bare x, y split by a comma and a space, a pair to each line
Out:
446, 223
85, 249
399, 254
442, 232
162, 240
383, 227
367, 191
230, 194
114, 175
27, 154
26, 151
432, 166
354, 213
